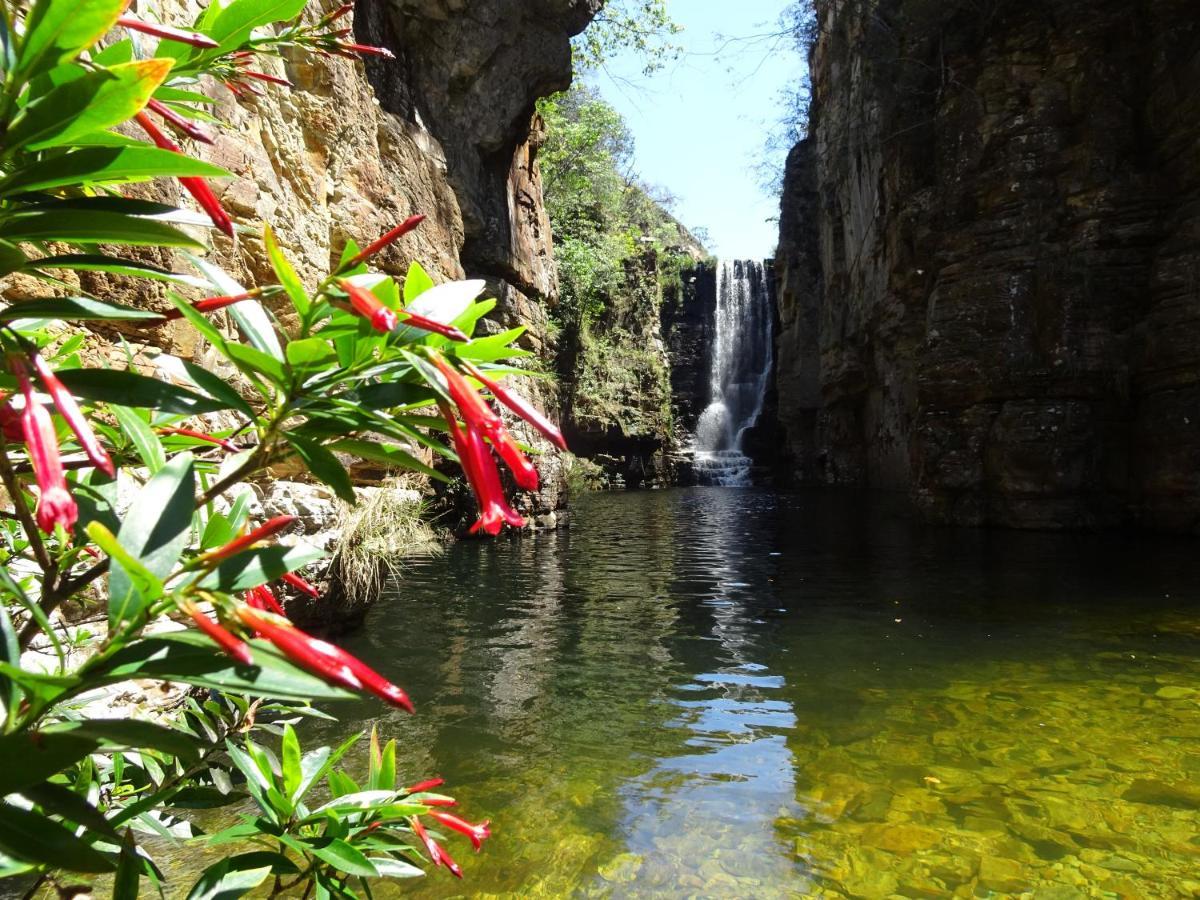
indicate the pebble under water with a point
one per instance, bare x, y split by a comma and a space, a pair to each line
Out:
733, 693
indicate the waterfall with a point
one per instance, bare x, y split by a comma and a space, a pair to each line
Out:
741, 366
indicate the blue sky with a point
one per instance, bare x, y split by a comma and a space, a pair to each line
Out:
701, 124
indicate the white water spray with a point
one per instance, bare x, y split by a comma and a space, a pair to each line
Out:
741, 366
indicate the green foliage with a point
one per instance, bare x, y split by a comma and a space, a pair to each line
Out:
600, 215
339, 375
641, 27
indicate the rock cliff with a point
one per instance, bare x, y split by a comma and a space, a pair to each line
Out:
989, 268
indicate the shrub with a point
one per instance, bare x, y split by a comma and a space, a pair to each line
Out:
359, 357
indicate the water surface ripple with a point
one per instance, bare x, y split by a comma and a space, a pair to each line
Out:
734, 693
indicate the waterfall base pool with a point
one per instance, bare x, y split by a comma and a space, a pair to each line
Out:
726, 693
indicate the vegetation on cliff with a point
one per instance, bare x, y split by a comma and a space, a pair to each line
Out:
617, 249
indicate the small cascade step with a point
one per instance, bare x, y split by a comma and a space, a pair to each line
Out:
722, 468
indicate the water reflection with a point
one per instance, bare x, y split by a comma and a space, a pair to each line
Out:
732, 693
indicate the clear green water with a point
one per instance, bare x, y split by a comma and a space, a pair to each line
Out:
729, 693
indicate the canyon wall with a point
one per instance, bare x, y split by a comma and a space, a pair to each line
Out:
989, 267
447, 129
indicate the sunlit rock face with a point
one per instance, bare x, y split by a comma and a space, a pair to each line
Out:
987, 267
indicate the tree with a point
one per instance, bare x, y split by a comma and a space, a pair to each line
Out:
643, 27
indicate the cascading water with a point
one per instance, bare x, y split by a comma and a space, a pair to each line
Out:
741, 366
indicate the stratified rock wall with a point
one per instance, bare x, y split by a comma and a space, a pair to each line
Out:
1001, 197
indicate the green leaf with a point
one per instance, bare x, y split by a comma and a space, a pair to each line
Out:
56, 31
132, 389
11, 258
492, 347
127, 881
287, 275
60, 800
106, 165
28, 759
390, 394
261, 565
132, 734
10, 653
310, 356
145, 441
191, 658
155, 531
345, 858
32, 837
317, 763
98, 100
93, 227
255, 362
390, 867
231, 878
73, 309
387, 454
139, 586
324, 466
98, 262
290, 761
218, 388
443, 303
416, 282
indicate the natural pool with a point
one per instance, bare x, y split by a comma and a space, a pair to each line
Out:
733, 693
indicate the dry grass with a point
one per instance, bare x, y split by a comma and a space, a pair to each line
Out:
375, 536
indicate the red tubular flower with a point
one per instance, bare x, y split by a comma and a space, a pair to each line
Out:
480, 469
338, 13
191, 129
197, 187
428, 785
369, 307
524, 472
270, 528
437, 855
55, 504
439, 801
262, 597
212, 304
10, 421
69, 410
324, 659
301, 585
425, 324
347, 49
520, 406
201, 436
389, 238
477, 833
475, 411
193, 38
226, 640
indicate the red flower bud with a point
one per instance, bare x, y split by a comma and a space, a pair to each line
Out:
364, 49
391, 237
524, 472
427, 785
212, 304
369, 307
201, 436
10, 421
226, 640
262, 597
193, 38
301, 585
338, 13
263, 76
323, 659
477, 833
69, 410
270, 528
416, 321
439, 801
519, 405
191, 129
197, 187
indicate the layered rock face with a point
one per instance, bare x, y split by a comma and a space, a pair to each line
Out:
989, 269
446, 129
